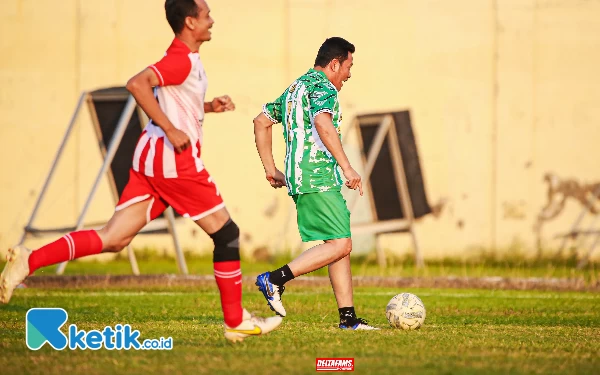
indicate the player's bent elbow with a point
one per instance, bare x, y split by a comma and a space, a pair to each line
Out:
257, 130
260, 126
256, 123
138, 83
133, 85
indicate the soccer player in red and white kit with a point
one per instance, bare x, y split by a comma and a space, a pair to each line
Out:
167, 171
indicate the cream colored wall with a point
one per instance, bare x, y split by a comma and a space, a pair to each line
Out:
500, 92
547, 117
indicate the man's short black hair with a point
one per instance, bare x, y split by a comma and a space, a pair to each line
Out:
178, 10
333, 48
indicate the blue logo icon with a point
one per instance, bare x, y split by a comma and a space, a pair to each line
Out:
42, 325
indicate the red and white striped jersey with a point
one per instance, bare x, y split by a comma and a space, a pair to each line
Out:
180, 94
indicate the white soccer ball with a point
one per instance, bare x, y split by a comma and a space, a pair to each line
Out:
405, 311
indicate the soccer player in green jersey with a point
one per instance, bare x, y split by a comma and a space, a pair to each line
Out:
310, 113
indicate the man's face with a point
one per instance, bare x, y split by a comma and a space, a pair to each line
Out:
342, 71
203, 22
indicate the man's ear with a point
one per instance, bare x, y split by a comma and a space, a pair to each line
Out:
334, 65
189, 23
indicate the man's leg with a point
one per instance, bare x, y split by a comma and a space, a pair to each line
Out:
340, 275
272, 284
226, 263
199, 198
115, 236
312, 259
320, 256
239, 323
320, 216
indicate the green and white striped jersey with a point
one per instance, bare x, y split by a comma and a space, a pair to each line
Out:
309, 166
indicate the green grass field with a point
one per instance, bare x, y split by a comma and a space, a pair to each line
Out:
361, 266
466, 332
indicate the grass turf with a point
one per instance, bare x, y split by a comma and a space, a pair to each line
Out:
361, 266
466, 332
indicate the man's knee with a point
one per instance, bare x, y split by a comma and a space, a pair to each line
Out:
347, 246
227, 243
111, 243
343, 246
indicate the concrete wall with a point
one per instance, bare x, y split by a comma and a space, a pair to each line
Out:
500, 92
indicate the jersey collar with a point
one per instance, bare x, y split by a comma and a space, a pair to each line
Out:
179, 44
322, 74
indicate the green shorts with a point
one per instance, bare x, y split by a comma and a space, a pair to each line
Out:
322, 216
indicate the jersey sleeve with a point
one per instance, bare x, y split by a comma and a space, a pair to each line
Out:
273, 110
172, 69
322, 99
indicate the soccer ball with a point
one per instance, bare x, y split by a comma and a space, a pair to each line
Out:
405, 311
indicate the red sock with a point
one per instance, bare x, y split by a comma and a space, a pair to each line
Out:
71, 246
229, 279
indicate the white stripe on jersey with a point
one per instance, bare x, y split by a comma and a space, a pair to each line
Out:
181, 97
169, 166
300, 135
289, 140
138, 151
190, 120
149, 166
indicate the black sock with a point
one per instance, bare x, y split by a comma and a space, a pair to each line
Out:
281, 275
347, 314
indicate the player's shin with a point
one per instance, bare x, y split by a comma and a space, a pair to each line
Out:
228, 275
71, 246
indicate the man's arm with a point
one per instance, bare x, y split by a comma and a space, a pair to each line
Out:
263, 130
140, 86
331, 140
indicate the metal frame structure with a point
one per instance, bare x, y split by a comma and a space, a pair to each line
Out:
385, 128
157, 226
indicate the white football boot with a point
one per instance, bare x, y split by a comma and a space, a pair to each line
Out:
271, 292
251, 326
357, 324
15, 271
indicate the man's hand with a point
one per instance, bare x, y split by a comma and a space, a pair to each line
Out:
276, 179
353, 179
178, 139
222, 104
